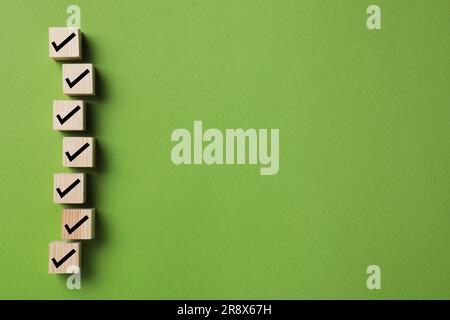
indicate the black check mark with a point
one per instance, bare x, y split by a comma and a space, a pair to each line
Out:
76, 226
71, 84
63, 193
63, 259
58, 47
77, 153
68, 116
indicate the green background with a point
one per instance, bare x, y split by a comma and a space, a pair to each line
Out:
364, 149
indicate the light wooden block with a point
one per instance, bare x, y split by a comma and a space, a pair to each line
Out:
64, 43
78, 224
78, 152
78, 79
68, 115
64, 256
69, 188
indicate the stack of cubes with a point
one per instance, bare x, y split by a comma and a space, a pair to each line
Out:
77, 152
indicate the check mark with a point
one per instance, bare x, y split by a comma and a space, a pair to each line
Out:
77, 153
63, 193
71, 84
76, 226
63, 259
68, 116
58, 47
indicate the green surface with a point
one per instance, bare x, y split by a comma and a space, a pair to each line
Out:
364, 149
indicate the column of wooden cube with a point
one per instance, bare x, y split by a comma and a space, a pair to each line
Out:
78, 152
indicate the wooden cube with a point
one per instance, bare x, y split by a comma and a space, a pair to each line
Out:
63, 255
78, 224
64, 43
69, 188
78, 79
68, 115
78, 152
